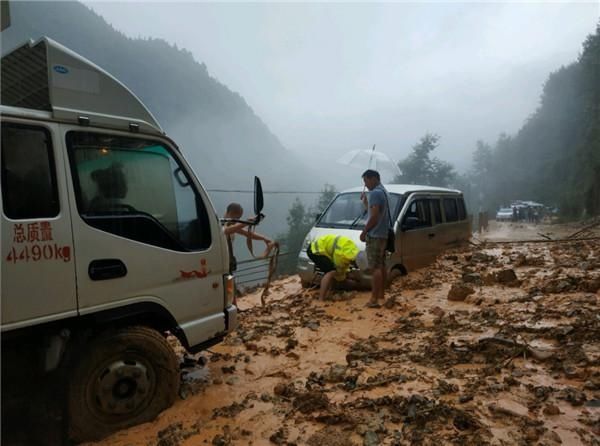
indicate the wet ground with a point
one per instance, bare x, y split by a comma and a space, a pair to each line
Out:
497, 343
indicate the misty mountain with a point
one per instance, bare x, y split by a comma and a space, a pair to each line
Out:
223, 139
555, 157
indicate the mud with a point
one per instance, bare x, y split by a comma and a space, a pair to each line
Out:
517, 361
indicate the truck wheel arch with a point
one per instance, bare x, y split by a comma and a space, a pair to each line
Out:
148, 314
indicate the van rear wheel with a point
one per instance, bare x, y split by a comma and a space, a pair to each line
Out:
123, 378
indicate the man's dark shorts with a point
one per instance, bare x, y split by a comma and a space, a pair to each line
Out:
322, 263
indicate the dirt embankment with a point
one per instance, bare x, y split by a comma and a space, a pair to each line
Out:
493, 344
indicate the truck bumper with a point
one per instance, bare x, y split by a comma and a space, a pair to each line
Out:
231, 321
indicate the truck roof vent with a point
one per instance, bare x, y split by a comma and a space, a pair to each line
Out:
25, 78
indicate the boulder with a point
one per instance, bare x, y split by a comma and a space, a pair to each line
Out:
459, 292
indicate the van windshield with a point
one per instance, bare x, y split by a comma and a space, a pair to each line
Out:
347, 211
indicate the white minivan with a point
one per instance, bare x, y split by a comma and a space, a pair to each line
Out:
427, 220
109, 242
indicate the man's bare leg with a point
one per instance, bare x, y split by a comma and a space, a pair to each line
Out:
383, 282
326, 284
377, 281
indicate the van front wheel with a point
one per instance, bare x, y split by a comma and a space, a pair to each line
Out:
124, 377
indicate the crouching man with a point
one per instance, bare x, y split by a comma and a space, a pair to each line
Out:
333, 256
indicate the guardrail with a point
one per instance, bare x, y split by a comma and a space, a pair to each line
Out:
256, 271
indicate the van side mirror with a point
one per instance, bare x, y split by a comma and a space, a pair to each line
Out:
258, 197
410, 223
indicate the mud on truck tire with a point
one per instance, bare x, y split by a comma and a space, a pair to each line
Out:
124, 377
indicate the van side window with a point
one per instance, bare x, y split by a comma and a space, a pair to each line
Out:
136, 188
28, 173
462, 211
450, 209
437, 211
418, 214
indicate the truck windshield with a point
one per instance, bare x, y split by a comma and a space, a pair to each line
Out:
137, 189
347, 211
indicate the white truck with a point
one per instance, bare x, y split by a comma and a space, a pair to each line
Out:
109, 242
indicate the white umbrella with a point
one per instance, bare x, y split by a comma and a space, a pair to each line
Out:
370, 159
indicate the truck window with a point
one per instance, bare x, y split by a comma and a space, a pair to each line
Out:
28, 173
419, 209
462, 211
450, 209
437, 211
136, 188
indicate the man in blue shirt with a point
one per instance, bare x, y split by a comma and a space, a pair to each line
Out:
375, 233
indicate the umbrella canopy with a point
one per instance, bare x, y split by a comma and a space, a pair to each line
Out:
370, 159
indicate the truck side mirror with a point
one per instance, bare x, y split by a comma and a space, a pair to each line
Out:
258, 196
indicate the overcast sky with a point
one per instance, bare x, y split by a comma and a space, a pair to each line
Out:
328, 78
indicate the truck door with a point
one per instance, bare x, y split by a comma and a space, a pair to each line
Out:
38, 273
144, 232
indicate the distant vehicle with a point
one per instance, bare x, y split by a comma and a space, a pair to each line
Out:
109, 242
504, 214
427, 220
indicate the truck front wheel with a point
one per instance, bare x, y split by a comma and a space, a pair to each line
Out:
123, 377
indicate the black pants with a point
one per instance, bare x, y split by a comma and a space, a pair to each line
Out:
322, 263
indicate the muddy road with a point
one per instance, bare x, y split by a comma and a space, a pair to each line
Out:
493, 344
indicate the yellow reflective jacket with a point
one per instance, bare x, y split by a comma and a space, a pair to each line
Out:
339, 249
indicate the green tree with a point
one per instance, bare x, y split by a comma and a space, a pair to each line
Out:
480, 177
421, 168
300, 220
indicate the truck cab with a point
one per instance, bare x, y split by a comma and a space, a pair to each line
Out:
109, 241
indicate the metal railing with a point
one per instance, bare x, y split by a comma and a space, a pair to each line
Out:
256, 272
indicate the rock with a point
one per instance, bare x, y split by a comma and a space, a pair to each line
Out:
452, 258
437, 311
465, 398
571, 372
481, 257
217, 381
285, 390
370, 439
459, 292
279, 437
444, 387
591, 286
252, 346
506, 276
313, 325
291, 344
232, 380
220, 440
551, 409
336, 373
573, 396
488, 278
390, 302
532, 434
311, 401
472, 278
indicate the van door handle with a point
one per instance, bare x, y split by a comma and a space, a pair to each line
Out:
431, 235
104, 269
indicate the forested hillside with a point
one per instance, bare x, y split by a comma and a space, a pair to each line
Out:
224, 140
555, 157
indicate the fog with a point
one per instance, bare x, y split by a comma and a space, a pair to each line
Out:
328, 78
